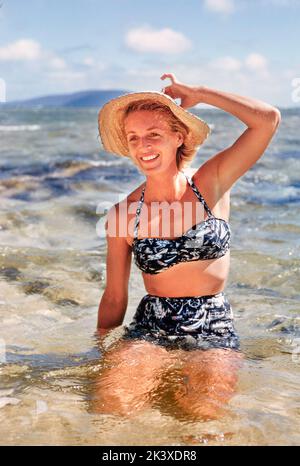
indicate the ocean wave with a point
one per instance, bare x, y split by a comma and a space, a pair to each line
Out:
106, 163
20, 127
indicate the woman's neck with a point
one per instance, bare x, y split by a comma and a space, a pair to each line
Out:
168, 187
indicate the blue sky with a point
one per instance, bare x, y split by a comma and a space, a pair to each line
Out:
58, 46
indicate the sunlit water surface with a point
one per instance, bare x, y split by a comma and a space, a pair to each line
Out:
53, 176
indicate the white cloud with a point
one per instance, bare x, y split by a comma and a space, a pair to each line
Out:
29, 50
220, 6
226, 64
249, 75
291, 73
88, 61
270, 88
67, 75
67, 81
21, 50
147, 39
57, 63
256, 62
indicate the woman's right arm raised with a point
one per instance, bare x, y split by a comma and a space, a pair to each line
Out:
113, 304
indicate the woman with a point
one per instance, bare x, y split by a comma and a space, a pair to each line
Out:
185, 264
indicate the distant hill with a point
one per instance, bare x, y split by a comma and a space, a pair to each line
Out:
76, 99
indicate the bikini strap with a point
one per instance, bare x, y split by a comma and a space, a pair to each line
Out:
194, 188
199, 195
138, 213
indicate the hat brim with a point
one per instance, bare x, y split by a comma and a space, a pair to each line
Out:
111, 115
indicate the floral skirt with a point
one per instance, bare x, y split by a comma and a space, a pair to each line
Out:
185, 322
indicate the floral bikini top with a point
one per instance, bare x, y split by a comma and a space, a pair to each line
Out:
209, 239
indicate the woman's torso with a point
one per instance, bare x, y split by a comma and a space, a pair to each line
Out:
192, 278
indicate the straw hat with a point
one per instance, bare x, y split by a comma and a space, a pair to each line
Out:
111, 114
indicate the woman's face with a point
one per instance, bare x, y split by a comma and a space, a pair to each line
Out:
148, 133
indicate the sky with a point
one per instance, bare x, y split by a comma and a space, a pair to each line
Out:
247, 47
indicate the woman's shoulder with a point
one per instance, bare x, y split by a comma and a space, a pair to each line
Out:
135, 195
124, 207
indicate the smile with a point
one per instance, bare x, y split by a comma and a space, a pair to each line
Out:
150, 157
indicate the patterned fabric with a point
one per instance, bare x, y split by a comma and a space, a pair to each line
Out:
209, 239
185, 322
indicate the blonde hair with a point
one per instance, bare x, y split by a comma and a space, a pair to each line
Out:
187, 151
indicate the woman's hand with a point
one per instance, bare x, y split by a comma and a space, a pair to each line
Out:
189, 95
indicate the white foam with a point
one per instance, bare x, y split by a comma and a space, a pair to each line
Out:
105, 163
5, 400
19, 127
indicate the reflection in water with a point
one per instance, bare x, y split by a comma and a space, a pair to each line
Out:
186, 384
132, 393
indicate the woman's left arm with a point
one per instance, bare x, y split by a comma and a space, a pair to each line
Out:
262, 120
